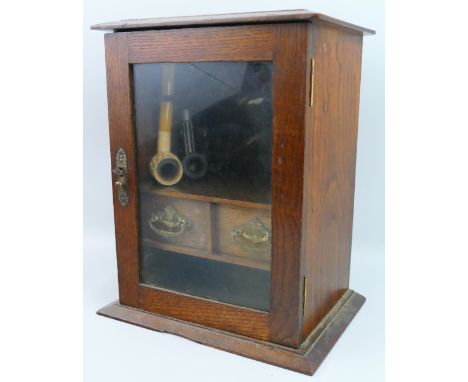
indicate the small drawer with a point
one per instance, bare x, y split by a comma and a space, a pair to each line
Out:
175, 221
243, 232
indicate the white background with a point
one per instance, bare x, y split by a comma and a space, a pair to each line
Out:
119, 352
41, 284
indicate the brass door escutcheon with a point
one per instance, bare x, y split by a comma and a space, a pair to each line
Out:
253, 237
168, 223
121, 172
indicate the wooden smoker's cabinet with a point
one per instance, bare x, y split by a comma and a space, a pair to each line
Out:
233, 144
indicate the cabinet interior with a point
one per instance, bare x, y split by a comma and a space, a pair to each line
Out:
208, 235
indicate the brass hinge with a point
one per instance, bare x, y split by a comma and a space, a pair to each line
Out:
312, 80
304, 296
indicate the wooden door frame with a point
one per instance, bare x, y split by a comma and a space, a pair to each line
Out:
285, 45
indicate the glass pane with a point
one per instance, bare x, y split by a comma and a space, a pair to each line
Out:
203, 133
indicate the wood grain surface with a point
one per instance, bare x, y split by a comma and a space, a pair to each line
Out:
282, 16
121, 136
248, 322
289, 102
313, 172
306, 359
330, 146
222, 191
249, 43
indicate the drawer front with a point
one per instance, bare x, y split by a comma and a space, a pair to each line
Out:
175, 221
243, 232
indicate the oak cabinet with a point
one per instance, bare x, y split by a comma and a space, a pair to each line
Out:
233, 145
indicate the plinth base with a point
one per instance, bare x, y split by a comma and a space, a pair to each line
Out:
306, 359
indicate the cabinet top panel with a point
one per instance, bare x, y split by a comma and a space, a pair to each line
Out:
295, 15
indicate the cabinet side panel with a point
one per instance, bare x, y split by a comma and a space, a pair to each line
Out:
329, 173
290, 69
121, 136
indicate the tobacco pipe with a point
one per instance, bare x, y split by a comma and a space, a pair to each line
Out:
165, 167
194, 164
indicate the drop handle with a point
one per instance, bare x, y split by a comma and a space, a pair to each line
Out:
253, 237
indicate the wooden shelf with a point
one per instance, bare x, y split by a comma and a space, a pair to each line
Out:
236, 260
232, 191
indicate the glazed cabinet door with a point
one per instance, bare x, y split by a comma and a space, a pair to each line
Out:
206, 146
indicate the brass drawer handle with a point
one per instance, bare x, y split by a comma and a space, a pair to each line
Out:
253, 237
168, 223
